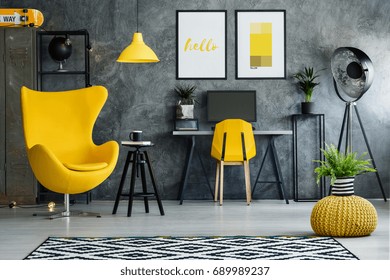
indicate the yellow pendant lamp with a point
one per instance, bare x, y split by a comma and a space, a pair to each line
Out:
137, 51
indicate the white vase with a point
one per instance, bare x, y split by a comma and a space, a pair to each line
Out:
184, 111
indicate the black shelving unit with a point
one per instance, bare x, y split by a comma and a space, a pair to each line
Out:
45, 68
321, 140
41, 72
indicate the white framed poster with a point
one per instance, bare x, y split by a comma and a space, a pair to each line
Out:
260, 44
201, 44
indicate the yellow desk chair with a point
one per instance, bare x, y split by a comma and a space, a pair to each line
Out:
58, 135
233, 144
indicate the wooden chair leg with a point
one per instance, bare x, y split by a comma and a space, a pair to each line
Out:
247, 182
221, 183
216, 188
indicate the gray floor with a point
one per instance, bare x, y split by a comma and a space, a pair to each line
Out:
20, 232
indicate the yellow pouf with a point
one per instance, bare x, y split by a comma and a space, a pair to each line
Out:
343, 216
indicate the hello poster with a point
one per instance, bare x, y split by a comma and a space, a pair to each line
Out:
201, 44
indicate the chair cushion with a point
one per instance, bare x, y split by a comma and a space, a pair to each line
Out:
86, 166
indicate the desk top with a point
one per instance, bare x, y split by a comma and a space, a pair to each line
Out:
210, 132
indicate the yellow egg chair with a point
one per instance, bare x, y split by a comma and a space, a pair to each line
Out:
233, 144
58, 135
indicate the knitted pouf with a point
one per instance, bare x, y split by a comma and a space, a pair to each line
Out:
343, 216
343, 213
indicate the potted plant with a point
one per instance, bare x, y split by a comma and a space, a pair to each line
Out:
185, 105
339, 166
307, 83
343, 214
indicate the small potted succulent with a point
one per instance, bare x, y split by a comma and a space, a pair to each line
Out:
307, 83
185, 105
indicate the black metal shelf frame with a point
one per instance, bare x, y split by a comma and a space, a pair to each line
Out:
87, 48
321, 137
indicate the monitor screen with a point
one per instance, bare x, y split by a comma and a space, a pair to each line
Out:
231, 104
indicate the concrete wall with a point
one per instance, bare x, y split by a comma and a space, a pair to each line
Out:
141, 96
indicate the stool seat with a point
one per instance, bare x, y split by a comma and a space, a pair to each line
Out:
138, 157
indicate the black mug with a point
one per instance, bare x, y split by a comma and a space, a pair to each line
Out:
136, 135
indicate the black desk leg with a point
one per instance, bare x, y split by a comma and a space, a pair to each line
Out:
205, 173
261, 168
143, 180
160, 206
123, 178
190, 153
132, 182
278, 169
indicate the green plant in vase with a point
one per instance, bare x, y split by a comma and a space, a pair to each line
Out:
187, 100
339, 165
306, 83
186, 94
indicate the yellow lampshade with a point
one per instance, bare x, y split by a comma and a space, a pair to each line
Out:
137, 52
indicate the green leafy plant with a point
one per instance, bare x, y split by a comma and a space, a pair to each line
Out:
306, 81
338, 164
186, 94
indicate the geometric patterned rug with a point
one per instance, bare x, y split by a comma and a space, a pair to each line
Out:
193, 247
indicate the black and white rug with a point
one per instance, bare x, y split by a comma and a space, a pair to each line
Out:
197, 247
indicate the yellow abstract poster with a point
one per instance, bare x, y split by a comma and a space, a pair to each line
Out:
260, 44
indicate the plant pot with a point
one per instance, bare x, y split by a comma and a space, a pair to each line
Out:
343, 186
184, 111
307, 107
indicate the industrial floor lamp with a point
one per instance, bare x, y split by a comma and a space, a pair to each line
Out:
353, 72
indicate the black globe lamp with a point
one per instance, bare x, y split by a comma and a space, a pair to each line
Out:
60, 49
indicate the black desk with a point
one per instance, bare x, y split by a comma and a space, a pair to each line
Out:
270, 148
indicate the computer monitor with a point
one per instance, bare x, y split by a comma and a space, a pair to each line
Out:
231, 104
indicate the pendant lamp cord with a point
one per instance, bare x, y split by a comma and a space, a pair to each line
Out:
137, 16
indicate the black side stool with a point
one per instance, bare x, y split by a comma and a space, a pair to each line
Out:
138, 158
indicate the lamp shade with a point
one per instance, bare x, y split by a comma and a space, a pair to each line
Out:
352, 71
137, 52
